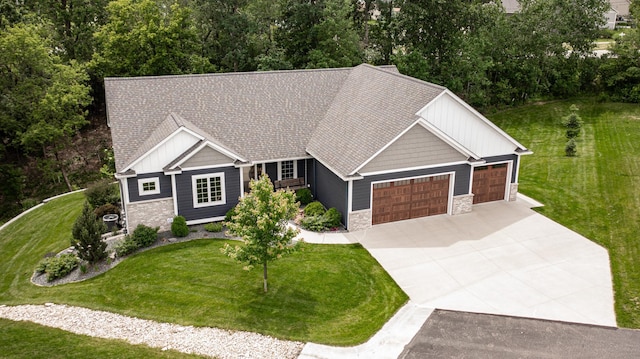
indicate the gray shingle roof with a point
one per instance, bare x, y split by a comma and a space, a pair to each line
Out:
340, 116
372, 108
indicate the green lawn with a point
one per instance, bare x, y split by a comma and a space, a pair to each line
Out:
31, 341
597, 193
334, 294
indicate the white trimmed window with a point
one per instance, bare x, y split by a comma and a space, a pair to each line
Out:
148, 186
208, 190
287, 170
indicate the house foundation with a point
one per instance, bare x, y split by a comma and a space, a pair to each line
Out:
513, 192
462, 204
359, 220
150, 213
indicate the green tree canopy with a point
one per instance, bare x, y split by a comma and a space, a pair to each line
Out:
260, 219
147, 37
42, 100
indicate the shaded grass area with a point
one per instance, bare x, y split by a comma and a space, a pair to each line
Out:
333, 294
597, 193
31, 341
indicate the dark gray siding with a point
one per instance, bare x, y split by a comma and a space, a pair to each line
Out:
362, 188
311, 177
272, 170
185, 193
300, 164
513, 158
165, 187
331, 190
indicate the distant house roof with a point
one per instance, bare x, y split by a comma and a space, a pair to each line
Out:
341, 117
511, 6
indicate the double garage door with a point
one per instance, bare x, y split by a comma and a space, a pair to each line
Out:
411, 198
428, 196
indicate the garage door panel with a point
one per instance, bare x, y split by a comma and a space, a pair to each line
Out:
406, 199
489, 183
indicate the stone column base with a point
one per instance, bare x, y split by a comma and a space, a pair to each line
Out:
150, 213
462, 204
359, 220
513, 191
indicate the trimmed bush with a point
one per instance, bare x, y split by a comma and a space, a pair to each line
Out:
332, 218
179, 227
304, 196
106, 209
570, 148
313, 223
58, 267
101, 193
125, 247
87, 236
314, 209
230, 213
213, 227
145, 236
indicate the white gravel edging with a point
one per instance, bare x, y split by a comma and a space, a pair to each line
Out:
206, 341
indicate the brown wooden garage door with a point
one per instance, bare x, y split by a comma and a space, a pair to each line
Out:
406, 199
489, 183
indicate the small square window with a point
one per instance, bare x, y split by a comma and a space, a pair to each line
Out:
287, 170
148, 186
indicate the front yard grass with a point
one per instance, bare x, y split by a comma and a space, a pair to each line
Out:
597, 193
332, 294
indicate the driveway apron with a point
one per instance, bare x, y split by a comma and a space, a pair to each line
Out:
502, 258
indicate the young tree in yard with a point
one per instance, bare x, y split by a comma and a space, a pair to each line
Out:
261, 220
573, 123
87, 231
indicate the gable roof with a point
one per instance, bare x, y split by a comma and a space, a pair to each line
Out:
342, 117
260, 115
371, 109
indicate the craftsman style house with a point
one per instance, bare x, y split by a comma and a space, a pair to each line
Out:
377, 145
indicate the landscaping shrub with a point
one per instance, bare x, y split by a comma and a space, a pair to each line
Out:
125, 247
87, 236
106, 209
101, 193
329, 219
304, 196
213, 227
570, 148
332, 218
57, 267
179, 227
313, 223
145, 236
230, 213
314, 209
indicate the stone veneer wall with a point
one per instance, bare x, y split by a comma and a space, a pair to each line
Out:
359, 220
513, 192
462, 204
150, 213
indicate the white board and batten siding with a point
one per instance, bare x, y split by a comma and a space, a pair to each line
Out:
166, 152
463, 125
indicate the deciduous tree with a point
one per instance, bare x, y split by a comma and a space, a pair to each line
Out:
260, 219
147, 37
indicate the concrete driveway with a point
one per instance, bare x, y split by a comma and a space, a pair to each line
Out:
503, 258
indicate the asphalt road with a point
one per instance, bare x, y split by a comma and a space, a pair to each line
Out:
449, 334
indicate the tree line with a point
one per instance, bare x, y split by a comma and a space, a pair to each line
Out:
55, 53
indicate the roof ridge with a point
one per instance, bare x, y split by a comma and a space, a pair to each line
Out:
406, 77
222, 74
